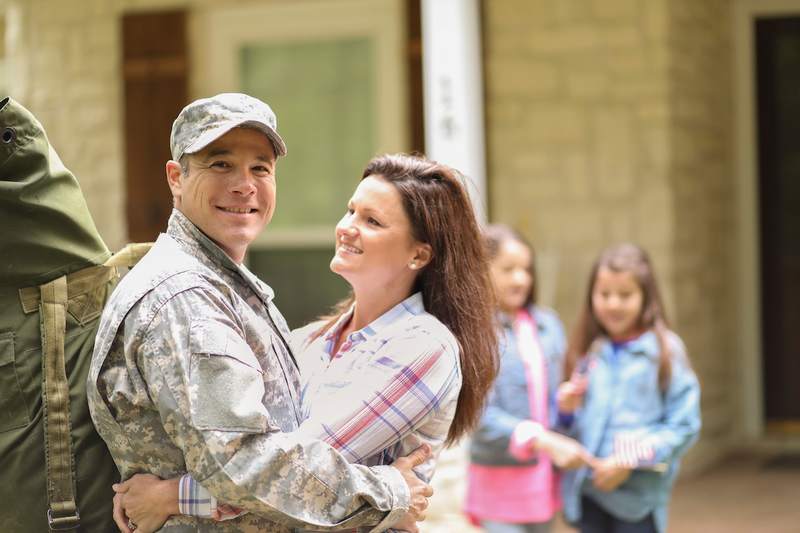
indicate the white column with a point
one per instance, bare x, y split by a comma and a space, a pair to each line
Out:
453, 87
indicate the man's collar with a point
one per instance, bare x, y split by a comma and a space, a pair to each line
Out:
199, 245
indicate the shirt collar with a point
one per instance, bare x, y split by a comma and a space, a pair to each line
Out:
645, 344
507, 321
202, 248
411, 306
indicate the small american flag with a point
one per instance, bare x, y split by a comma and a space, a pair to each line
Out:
633, 450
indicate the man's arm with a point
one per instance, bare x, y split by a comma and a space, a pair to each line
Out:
408, 379
210, 391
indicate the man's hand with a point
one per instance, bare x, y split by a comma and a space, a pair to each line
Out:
565, 452
420, 491
120, 518
147, 501
608, 474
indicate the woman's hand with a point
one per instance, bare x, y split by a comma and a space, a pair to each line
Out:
420, 491
226, 512
609, 474
120, 518
147, 501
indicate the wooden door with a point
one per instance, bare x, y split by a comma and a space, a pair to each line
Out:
155, 74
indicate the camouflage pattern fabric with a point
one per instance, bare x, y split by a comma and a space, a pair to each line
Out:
192, 373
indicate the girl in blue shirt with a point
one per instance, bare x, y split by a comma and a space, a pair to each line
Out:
633, 400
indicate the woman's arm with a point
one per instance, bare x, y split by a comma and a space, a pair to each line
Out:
364, 409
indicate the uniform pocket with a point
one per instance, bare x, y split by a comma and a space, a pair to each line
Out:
13, 411
226, 381
87, 306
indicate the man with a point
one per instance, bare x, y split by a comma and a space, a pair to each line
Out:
192, 371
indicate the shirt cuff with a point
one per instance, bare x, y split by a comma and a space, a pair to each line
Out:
520, 446
394, 479
194, 499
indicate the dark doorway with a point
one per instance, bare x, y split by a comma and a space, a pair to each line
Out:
778, 89
155, 71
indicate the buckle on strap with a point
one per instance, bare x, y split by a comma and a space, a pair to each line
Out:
63, 523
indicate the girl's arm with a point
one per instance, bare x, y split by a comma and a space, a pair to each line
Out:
680, 425
498, 424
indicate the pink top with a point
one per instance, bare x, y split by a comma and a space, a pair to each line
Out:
519, 494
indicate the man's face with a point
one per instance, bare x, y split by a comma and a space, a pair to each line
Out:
229, 189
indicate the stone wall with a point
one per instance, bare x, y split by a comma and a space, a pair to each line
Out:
64, 64
609, 120
702, 187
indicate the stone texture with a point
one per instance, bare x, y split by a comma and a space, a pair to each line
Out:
607, 120
640, 131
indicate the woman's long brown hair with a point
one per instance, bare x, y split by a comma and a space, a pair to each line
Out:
631, 258
455, 285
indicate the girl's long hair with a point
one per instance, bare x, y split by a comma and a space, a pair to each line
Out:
625, 257
455, 285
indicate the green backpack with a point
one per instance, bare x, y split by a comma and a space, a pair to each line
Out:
55, 276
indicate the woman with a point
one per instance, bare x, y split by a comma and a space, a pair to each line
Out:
410, 356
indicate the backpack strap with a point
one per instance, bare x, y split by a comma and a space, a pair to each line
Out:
129, 255
51, 300
62, 513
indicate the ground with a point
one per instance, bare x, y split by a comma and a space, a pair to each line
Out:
744, 493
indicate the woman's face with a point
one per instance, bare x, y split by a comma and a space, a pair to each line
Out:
617, 302
374, 245
511, 275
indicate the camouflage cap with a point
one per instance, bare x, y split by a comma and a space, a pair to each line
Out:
206, 120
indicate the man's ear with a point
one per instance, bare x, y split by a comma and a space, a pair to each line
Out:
175, 180
423, 255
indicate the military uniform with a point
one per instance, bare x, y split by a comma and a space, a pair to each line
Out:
192, 373
47, 239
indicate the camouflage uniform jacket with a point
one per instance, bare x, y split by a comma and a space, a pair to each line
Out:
191, 372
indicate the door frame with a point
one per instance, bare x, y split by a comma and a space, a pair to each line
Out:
745, 149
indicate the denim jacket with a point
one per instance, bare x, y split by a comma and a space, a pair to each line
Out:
508, 403
624, 396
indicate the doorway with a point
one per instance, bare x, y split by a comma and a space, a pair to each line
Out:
777, 69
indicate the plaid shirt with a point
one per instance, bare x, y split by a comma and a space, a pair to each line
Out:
392, 386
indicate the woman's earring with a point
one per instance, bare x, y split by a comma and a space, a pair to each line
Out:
412, 265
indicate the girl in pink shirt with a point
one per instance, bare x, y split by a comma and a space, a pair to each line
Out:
513, 487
